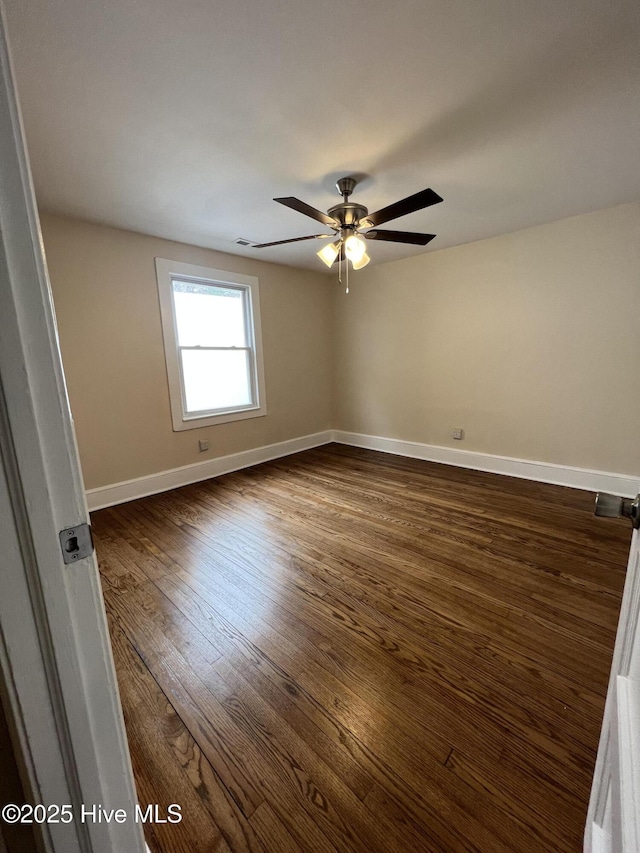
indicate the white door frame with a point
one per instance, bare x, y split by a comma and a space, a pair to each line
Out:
613, 819
55, 653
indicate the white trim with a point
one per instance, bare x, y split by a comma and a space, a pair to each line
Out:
129, 490
598, 842
616, 746
544, 472
628, 734
165, 271
525, 469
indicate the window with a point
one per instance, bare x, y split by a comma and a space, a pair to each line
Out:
212, 344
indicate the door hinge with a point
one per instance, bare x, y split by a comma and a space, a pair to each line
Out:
76, 543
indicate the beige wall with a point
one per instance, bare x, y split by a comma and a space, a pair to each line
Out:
106, 300
530, 342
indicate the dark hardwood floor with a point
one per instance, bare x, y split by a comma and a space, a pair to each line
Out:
349, 651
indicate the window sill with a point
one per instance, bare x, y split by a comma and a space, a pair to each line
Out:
197, 422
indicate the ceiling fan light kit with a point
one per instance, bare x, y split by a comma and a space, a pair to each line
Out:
329, 253
364, 260
354, 248
352, 224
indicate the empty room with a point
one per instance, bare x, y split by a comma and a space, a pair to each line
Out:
320, 336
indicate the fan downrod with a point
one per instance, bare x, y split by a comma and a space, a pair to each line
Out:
347, 214
346, 186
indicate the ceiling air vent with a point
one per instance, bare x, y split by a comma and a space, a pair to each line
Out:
242, 241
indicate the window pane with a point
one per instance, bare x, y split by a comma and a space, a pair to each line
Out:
216, 379
209, 316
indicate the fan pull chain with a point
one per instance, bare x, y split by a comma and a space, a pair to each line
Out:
347, 265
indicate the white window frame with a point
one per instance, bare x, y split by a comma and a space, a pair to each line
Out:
166, 271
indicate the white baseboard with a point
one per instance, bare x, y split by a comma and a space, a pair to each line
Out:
544, 472
129, 490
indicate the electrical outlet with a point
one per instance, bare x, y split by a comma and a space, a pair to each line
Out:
457, 433
203, 444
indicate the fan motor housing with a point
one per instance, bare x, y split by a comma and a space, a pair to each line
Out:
348, 213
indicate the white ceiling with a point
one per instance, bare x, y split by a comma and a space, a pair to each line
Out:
184, 118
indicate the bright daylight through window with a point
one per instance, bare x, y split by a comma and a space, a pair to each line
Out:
211, 328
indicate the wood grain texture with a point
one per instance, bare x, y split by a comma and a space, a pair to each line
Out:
344, 650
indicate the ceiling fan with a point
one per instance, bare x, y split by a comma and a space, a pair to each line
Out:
350, 222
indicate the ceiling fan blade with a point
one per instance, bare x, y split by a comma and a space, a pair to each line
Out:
303, 207
412, 237
292, 240
419, 201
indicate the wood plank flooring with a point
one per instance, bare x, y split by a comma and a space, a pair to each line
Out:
345, 651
